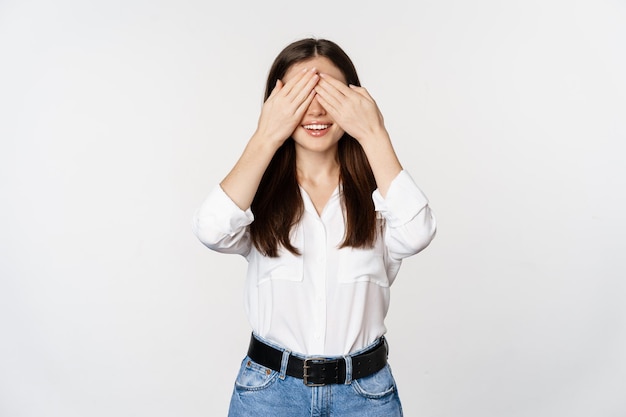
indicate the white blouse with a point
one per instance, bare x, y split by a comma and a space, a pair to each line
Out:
328, 301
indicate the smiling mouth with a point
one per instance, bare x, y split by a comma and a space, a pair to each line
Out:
316, 127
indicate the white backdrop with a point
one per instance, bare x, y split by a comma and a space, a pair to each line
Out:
116, 117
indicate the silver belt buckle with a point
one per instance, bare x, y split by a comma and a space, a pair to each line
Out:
305, 376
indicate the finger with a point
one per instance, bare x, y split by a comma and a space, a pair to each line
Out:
362, 91
303, 87
295, 82
305, 104
277, 88
302, 94
330, 95
339, 85
328, 106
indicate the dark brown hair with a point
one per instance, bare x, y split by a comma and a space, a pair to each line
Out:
277, 204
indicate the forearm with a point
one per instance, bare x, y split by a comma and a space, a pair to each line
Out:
243, 180
382, 158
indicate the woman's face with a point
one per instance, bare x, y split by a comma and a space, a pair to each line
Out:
317, 131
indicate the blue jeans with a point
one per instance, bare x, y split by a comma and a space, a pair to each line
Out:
261, 392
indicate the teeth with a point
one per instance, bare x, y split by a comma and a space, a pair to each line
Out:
316, 127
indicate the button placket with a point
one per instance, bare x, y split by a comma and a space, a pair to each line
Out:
320, 286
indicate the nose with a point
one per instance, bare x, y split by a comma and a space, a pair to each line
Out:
315, 108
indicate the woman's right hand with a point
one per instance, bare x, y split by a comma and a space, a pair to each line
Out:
285, 107
281, 114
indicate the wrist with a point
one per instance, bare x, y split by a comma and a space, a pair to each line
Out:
265, 143
375, 138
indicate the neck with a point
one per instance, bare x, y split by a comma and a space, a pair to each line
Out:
317, 166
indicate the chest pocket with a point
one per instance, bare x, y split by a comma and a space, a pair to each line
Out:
285, 267
362, 265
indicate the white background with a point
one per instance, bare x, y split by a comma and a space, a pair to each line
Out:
117, 117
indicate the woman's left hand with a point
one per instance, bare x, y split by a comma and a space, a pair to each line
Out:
351, 107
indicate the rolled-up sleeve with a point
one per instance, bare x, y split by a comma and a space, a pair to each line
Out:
221, 225
410, 225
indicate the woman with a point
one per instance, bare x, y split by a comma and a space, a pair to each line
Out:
322, 210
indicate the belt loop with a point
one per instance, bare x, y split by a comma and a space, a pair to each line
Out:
283, 364
348, 360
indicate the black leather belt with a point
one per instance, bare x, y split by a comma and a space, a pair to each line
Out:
320, 371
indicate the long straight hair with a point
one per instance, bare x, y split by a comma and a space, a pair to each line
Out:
277, 204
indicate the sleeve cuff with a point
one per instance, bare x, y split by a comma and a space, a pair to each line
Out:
403, 202
220, 211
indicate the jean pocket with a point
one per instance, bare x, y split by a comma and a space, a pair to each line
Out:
377, 385
254, 377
